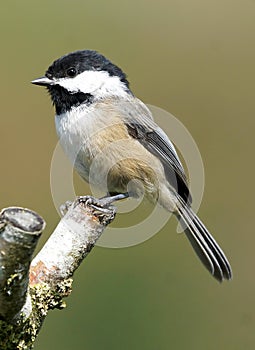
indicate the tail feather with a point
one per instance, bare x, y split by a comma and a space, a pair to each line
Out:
204, 244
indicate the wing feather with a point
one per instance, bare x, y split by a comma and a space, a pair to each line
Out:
140, 125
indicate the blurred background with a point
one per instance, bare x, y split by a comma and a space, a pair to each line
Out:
195, 59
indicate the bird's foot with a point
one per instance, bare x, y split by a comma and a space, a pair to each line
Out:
103, 204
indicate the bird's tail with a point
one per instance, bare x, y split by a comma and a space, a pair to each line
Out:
205, 246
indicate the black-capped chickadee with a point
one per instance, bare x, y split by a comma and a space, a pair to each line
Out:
101, 124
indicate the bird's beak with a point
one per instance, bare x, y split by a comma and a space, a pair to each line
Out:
43, 81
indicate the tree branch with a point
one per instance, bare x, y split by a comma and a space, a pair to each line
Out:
20, 231
23, 305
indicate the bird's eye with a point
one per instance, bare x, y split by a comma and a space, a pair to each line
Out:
71, 72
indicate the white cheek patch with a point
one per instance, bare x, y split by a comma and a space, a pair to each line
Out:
86, 82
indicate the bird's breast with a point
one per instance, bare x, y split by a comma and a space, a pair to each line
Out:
104, 154
92, 141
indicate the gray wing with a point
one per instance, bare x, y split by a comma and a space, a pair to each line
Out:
141, 126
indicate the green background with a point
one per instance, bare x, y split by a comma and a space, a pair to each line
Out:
195, 59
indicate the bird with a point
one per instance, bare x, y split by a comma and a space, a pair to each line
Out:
102, 125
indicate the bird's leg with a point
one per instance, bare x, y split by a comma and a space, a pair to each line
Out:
104, 202
113, 197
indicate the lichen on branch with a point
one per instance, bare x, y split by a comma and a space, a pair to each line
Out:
30, 289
